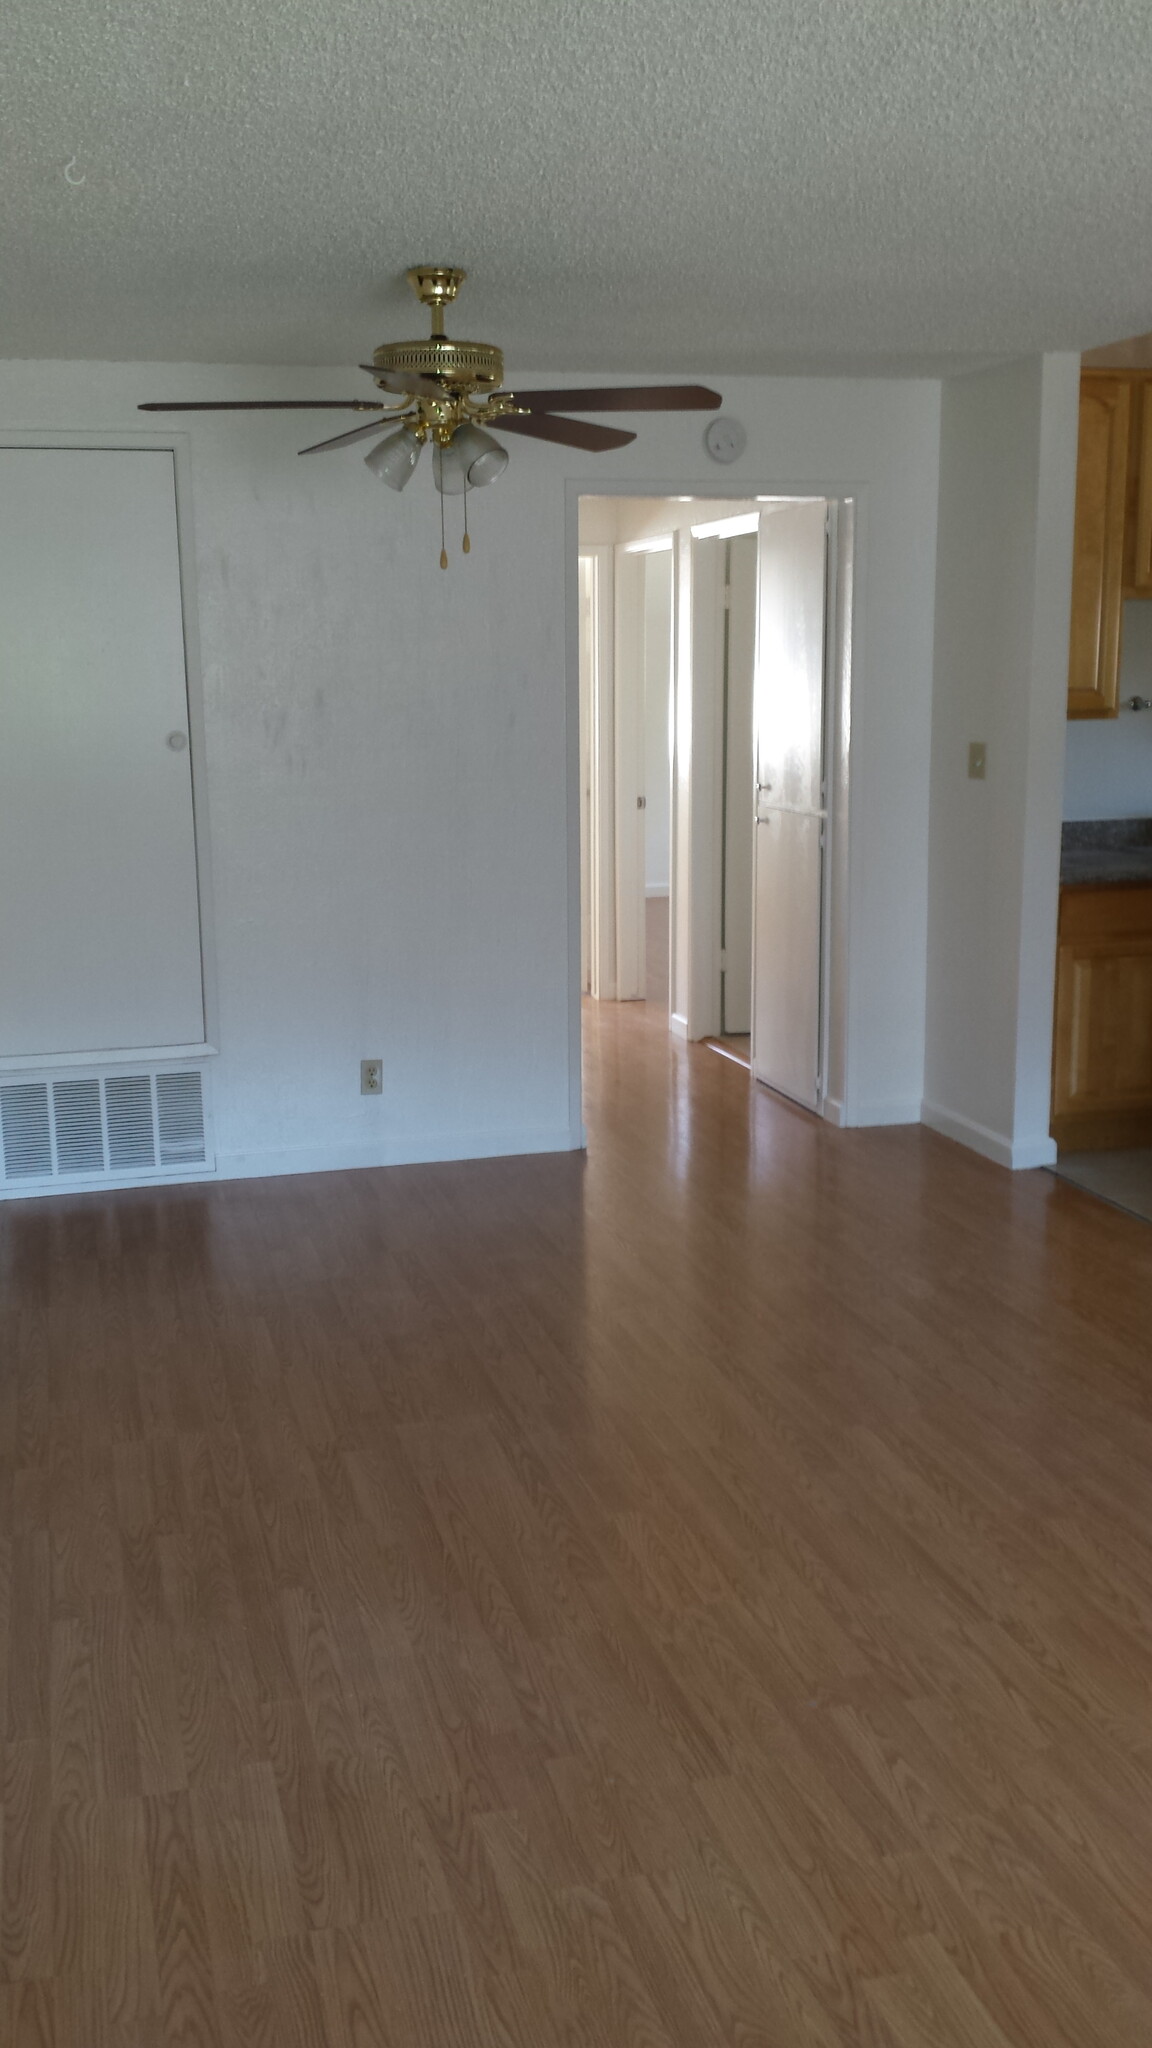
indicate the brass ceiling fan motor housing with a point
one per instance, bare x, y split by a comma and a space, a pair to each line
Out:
463, 365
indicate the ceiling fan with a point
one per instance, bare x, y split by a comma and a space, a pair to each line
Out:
448, 395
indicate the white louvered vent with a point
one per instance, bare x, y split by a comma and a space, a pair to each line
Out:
107, 1126
79, 1126
24, 1124
131, 1136
180, 1116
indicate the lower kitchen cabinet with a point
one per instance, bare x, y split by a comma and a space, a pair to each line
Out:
1102, 1052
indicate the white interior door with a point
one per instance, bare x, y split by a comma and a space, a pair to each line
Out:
99, 911
739, 785
790, 812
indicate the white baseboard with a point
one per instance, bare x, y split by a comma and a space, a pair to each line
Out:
1017, 1154
656, 889
884, 1113
400, 1151
321, 1159
678, 1025
832, 1110
963, 1130
104, 1183
1038, 1151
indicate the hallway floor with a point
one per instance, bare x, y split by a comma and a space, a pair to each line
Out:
700, 1593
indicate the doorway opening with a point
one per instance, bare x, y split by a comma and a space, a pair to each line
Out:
1102, 1036
714, 686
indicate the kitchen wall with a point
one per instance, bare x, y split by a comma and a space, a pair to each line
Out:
1007, 482
390, 752
1108, 763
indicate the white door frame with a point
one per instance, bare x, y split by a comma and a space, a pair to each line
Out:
628, 597
598, 693
697, 767
612, 839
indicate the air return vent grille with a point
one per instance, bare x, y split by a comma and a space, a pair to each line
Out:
105, 1127
79, 1127
24, 1124
131, 1132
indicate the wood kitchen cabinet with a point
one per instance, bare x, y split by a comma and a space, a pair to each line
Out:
1139, 570
1112, 551
1102, 1051
1098, 548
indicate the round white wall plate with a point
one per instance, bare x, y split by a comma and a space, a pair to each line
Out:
725, 439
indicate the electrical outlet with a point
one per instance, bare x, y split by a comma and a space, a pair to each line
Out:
371, 1077
977, 760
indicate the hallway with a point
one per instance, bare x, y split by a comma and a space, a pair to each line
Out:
697, 1593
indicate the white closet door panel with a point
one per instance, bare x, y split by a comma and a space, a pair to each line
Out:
789, 747
786, 989
99, 913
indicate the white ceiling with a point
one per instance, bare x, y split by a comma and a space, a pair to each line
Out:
727, 185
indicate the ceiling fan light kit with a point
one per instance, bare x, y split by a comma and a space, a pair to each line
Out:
447, 392
393, 460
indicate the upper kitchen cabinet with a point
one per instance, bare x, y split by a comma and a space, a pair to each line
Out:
1098, 549
1138, 572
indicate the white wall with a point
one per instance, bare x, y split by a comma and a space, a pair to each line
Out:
1108, 763
1007, 478
391, 753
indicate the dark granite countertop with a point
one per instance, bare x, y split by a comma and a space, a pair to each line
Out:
1106, 853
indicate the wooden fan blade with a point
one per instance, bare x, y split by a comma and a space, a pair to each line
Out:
263, 405
376, 426
569, 433
622, 398
405, 380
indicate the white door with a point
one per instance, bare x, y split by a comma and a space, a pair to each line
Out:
739, 786
790, 815
99, 912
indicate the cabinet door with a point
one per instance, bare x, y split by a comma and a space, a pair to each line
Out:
1103, 1053
99, 912
1142, 553
1098, 556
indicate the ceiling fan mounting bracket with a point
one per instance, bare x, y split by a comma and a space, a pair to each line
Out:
462, 367
435, 284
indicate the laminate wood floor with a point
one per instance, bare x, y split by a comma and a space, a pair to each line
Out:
698, 1594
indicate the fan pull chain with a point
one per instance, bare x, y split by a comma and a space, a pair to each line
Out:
467, 542
443, 542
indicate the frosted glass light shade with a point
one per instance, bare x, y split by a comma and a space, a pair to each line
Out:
394, 459
449, 469
471, 459
484, 457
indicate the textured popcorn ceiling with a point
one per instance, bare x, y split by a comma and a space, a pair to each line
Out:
732, 185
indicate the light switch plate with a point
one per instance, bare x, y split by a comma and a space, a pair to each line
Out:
977, 760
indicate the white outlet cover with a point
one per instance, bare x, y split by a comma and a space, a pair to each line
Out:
725, 439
